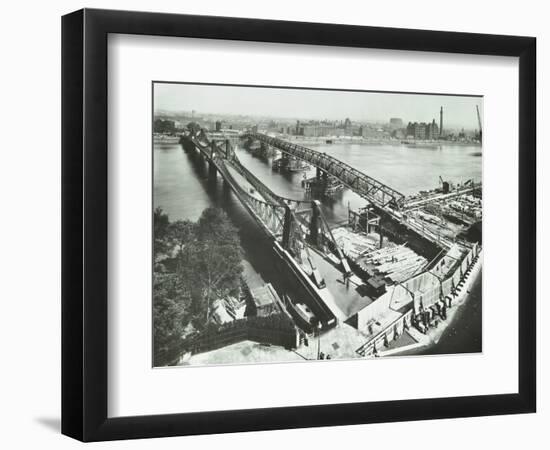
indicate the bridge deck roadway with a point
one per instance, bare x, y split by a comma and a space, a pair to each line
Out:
245, 184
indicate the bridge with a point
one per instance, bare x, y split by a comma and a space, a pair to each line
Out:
294, 222
462, 190
386, 199
301, 235
367, 187
302, 238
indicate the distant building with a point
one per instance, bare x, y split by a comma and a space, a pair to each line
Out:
318, 130
422, 130
432, 131
327, 128
164, 126
218, 125
371, 132
415, 130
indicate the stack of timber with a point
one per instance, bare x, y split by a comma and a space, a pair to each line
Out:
355, 244
395, 264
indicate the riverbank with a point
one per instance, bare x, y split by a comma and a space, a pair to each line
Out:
312, 140
460, 333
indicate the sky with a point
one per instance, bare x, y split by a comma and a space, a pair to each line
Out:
458, 111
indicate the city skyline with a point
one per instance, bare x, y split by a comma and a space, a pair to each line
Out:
292, 103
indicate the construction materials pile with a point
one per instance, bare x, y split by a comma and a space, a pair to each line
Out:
429, 222
466, 208
354, 244
395, 264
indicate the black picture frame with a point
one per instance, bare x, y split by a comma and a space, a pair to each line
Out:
84, 224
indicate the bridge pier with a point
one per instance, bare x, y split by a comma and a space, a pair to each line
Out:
187, 145
321, 185
264, 151
322, 176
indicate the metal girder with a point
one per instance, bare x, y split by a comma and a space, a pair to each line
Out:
279, 216
376, 192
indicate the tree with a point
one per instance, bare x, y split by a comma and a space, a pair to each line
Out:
171, 311
193, 127
214, 225
212, 264
207, 267
164, 126
160, 230
181, 233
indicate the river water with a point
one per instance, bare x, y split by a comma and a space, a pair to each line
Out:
182, 189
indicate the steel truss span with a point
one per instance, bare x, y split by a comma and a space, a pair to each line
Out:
367, 187
294, 223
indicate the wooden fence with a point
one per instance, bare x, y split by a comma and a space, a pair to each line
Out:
276, 329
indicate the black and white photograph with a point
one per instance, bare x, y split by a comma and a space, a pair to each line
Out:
275, 225
300, 225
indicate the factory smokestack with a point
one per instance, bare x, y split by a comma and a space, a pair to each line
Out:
441, 122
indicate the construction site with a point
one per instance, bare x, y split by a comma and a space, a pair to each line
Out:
404, 274
385, 281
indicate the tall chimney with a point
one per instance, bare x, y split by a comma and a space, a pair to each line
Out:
441, 122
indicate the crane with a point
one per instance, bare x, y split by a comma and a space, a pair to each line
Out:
479, 123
